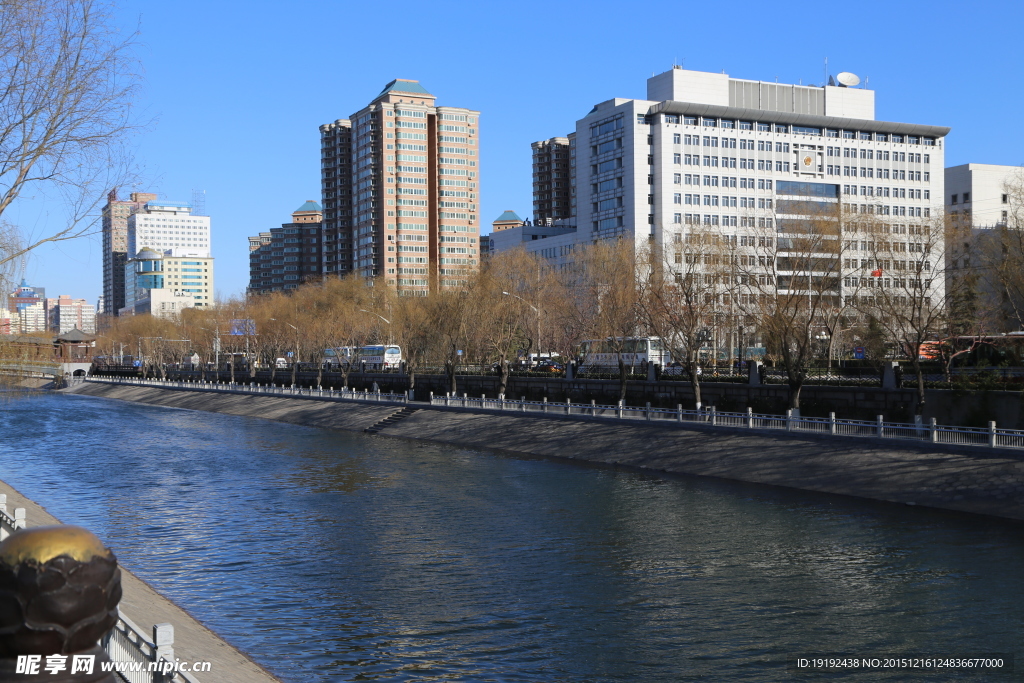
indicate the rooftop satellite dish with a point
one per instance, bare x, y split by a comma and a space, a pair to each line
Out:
847, 79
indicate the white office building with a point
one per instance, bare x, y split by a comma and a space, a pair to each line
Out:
168, 228
708, 149
182, 267
750, 157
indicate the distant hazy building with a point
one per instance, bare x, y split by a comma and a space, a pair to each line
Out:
164, 284
554, 179
115, 246
286, 256
65, 314
400, 190
29, 303
8, 321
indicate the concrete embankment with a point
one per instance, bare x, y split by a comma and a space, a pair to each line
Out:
966, 479
193, 642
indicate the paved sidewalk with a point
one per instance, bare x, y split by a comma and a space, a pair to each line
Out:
143, 605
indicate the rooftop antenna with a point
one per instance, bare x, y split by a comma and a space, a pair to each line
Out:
826, 71
198, 202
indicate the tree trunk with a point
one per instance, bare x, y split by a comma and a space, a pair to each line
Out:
449, 367
412, 376
319, 374
796, 383
919, 410
502, 375
273, 371
622, 378
695, 383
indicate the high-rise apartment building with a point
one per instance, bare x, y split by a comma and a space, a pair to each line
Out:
400, 183
115, 246
554, 179
287, 256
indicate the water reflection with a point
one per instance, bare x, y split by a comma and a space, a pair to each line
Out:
344, 557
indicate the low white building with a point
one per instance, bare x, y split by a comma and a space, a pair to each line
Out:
555, 242
985, 195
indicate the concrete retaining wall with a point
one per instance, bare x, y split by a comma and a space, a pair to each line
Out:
966, 479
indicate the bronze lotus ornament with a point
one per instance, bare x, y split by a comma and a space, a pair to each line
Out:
59, 590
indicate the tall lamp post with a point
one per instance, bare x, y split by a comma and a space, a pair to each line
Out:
295, 364
535, 310
363, 310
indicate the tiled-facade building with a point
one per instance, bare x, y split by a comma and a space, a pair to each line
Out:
287, 256
65, 314
554, 179
115, 245
400, 184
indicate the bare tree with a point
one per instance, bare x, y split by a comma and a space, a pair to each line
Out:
679, 298
66, 87
788, 276
903, 284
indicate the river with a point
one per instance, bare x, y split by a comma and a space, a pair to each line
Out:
339, 556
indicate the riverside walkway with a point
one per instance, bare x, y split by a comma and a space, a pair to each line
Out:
987, 478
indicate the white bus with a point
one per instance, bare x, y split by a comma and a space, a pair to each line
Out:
374, 356
602, 355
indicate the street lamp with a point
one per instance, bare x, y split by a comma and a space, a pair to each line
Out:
296, 336
216, 348
535, 310
363, 310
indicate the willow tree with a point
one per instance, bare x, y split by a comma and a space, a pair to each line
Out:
607, 296
507, 309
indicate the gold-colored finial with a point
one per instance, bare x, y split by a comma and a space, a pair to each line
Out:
43, 543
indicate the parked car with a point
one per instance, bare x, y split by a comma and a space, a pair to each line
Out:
547, 365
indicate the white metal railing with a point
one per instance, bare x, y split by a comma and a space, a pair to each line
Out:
254, 389
8, 523
879, 428
126, 641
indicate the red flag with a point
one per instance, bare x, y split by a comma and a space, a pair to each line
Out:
876, 273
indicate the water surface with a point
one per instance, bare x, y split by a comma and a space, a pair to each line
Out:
334, 557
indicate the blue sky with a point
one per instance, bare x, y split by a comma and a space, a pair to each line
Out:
236, 91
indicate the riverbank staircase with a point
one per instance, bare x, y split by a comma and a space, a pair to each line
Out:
397, 416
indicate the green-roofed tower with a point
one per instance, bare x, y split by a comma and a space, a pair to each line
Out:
509, 219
